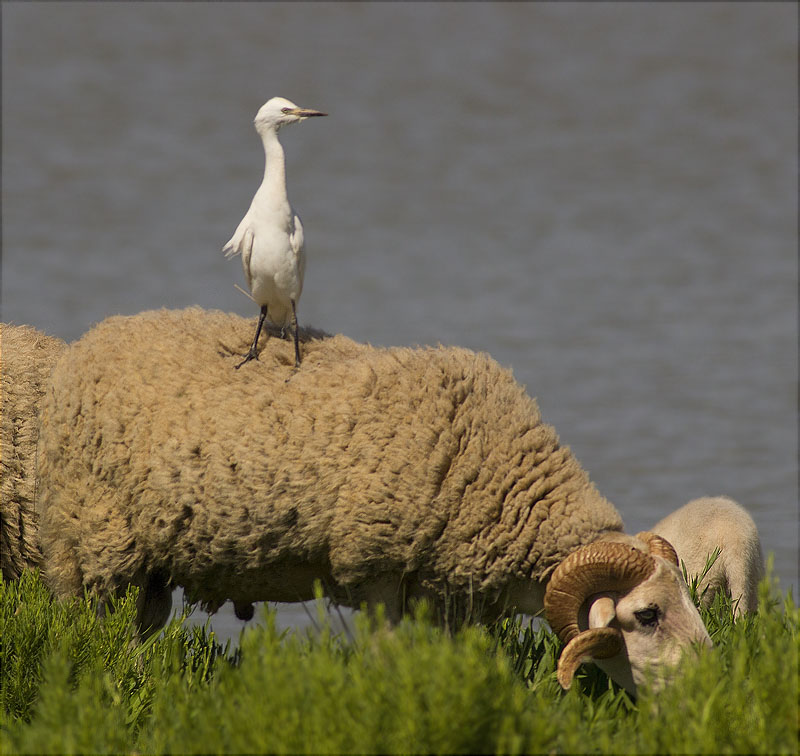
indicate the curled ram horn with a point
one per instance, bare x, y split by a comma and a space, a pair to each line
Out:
598, 643
658, 546
591, 569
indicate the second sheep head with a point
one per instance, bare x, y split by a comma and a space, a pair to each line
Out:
622, 604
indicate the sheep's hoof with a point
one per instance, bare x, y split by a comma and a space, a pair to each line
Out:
243, 611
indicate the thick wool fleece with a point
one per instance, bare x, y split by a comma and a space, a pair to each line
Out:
26, 359
430, 466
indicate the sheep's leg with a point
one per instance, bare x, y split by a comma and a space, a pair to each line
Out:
296, 336
386, 592
253, 354
153, 604
243, 611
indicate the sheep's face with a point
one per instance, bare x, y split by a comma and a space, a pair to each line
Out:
658, 622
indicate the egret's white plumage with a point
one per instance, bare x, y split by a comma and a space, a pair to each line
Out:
270, 236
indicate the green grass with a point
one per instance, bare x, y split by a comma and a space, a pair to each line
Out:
72, 683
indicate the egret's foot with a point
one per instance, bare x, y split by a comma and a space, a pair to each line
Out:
251, 355
295, 371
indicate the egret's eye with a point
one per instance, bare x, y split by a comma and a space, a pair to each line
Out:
647, 617
285, 110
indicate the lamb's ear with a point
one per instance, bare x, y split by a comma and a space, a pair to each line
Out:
601, 611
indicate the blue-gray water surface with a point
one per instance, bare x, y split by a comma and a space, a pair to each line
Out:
601, 196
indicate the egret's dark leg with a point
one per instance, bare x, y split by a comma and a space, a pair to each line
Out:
296, 336
253, 354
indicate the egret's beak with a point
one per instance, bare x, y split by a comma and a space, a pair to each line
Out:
304, 112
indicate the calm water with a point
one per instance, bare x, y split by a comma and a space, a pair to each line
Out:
601, 196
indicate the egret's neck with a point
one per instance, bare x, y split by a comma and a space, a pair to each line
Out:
275, 166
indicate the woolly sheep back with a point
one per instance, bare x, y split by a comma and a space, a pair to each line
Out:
431, 466
26, 359
718, 522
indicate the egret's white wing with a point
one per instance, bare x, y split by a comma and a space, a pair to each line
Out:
236, 242
246, 249
297, 243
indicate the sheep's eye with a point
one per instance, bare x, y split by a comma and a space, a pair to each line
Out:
647, 616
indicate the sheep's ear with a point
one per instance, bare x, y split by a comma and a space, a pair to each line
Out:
602, 611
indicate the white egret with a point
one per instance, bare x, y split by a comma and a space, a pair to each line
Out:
270, 236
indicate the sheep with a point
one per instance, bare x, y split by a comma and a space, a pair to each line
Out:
390, 475
20, 391
718, 522
26, 359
